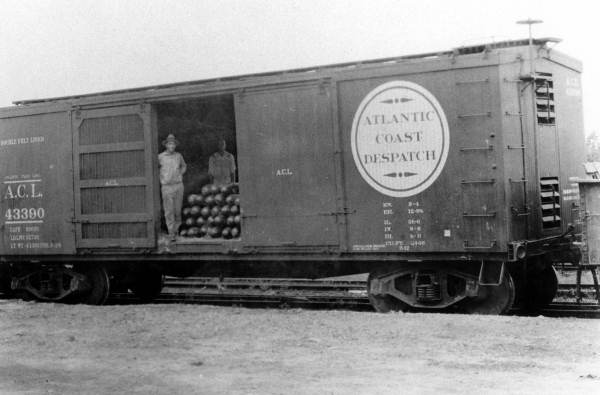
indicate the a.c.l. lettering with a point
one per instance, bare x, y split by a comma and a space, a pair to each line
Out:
22, 191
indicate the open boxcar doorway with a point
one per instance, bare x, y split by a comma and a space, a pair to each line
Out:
211, 205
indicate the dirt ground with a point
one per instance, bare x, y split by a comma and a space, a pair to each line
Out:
190, 349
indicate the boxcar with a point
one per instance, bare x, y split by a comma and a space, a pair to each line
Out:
447, 176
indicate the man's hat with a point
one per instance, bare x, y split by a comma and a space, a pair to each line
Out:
170, 139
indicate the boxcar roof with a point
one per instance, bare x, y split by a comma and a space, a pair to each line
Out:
465, 50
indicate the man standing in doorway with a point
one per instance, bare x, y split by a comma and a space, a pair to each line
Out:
221, 165
172, 168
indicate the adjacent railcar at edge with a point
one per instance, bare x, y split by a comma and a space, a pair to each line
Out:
447, 176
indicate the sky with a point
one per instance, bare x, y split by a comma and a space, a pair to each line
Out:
52, 48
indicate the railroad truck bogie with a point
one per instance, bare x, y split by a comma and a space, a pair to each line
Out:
56, 282
441, 286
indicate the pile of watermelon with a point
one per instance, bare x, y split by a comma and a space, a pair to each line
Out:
214, 212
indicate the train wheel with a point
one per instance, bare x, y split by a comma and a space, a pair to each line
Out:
384, 303
147, 285
5, 285
492, 300
540, 289
98, 285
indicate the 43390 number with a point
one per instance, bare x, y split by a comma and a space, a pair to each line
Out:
24, 214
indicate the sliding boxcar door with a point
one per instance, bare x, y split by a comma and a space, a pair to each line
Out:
113, 177
286, 167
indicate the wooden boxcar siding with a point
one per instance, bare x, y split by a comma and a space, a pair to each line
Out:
111, 165
568, 97
36, 153
116, 200
110, 130
519, 153
462, 188
480, 138
545, 152
106, 165
114, 231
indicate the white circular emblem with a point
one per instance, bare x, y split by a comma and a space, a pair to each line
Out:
400, 138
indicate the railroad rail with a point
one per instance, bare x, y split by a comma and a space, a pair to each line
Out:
316, 294
264, 301
303, 287
266, 283
586, 291
581, 310
312, 294
252, 292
